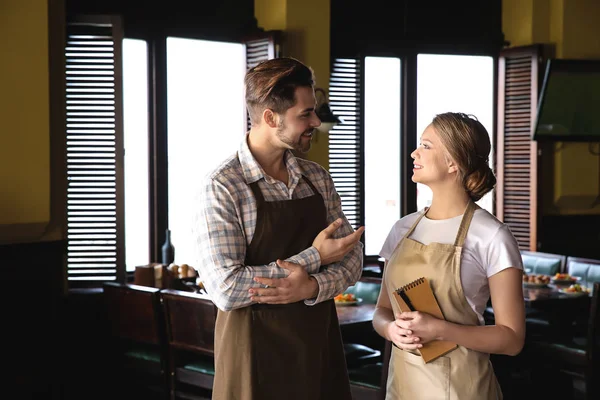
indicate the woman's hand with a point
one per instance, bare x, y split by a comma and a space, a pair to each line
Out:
421, 325
403, 338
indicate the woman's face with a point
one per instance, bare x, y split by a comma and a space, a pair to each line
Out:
431, 163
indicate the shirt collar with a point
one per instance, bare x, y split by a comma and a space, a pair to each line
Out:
253, 171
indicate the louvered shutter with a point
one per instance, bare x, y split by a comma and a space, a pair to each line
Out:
261, 48
517, 159
345, 139
94, 152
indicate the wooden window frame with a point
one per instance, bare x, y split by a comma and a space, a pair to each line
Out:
260, 45
519, 153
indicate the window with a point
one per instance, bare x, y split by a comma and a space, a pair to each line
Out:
458, 84
382, 149
136, 141
369, 153
206, 123
94, 136
345, 140
131, 149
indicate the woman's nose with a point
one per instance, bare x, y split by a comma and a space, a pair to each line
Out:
413, 155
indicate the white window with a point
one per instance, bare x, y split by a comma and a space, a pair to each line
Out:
206, 122
382, 149
450, 83
136, 160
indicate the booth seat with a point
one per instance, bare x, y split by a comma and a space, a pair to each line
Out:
585, 268
535, 262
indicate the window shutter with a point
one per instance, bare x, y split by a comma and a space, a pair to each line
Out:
261, 48
94, 139
517, 159
345, 140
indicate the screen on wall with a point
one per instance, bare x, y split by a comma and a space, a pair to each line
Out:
569, 106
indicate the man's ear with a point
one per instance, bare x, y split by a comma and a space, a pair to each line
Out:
270, 118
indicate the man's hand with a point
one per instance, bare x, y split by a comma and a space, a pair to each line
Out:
297, 286
333, 250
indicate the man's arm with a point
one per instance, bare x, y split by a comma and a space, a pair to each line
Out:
221, 246
335, 278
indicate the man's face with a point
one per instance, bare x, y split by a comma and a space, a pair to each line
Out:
297, 124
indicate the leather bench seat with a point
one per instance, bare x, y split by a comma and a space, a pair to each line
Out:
358, 355
367, 291
540, 265
367, 375
587, 271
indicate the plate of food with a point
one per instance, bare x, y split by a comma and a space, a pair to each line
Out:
346, 299
535, 280
564, 278
575, 290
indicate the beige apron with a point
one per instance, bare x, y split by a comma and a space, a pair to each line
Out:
462, 374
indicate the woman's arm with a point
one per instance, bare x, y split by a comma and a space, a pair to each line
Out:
386, 326
506, 337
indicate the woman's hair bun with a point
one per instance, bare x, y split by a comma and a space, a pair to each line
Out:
479, 182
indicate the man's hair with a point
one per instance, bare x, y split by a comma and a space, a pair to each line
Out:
272, 84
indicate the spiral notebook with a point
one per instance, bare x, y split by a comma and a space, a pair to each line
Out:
418, 296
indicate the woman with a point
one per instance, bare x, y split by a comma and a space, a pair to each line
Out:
466, 254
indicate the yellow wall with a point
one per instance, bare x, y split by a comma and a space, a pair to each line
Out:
306, 37
24, 112
572, 26
517, 21
271, 14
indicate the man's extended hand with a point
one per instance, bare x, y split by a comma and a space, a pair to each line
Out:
297, 286
332, 250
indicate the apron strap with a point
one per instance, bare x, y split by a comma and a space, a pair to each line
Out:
412, 228
258, 196
465, 223
313, 188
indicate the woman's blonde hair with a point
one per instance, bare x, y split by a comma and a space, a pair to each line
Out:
468, 144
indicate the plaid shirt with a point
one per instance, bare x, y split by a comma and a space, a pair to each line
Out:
225, 224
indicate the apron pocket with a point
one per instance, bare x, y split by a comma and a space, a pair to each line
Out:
413, 379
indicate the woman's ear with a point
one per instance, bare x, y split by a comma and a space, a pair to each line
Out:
452, 167
270, 118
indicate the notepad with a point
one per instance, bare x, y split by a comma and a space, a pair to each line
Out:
418, 296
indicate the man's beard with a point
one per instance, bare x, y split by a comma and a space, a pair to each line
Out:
296, 146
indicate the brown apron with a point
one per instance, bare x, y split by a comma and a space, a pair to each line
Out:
462, 374
281, 351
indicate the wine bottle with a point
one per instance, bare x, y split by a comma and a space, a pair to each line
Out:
168, 250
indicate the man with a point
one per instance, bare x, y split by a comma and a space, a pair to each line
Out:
268, 257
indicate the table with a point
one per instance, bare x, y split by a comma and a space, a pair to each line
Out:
349, 315
549, 298
554, 312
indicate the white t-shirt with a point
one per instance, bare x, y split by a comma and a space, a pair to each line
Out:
489, 248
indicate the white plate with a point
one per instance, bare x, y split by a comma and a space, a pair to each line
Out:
572, 293
348, 303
